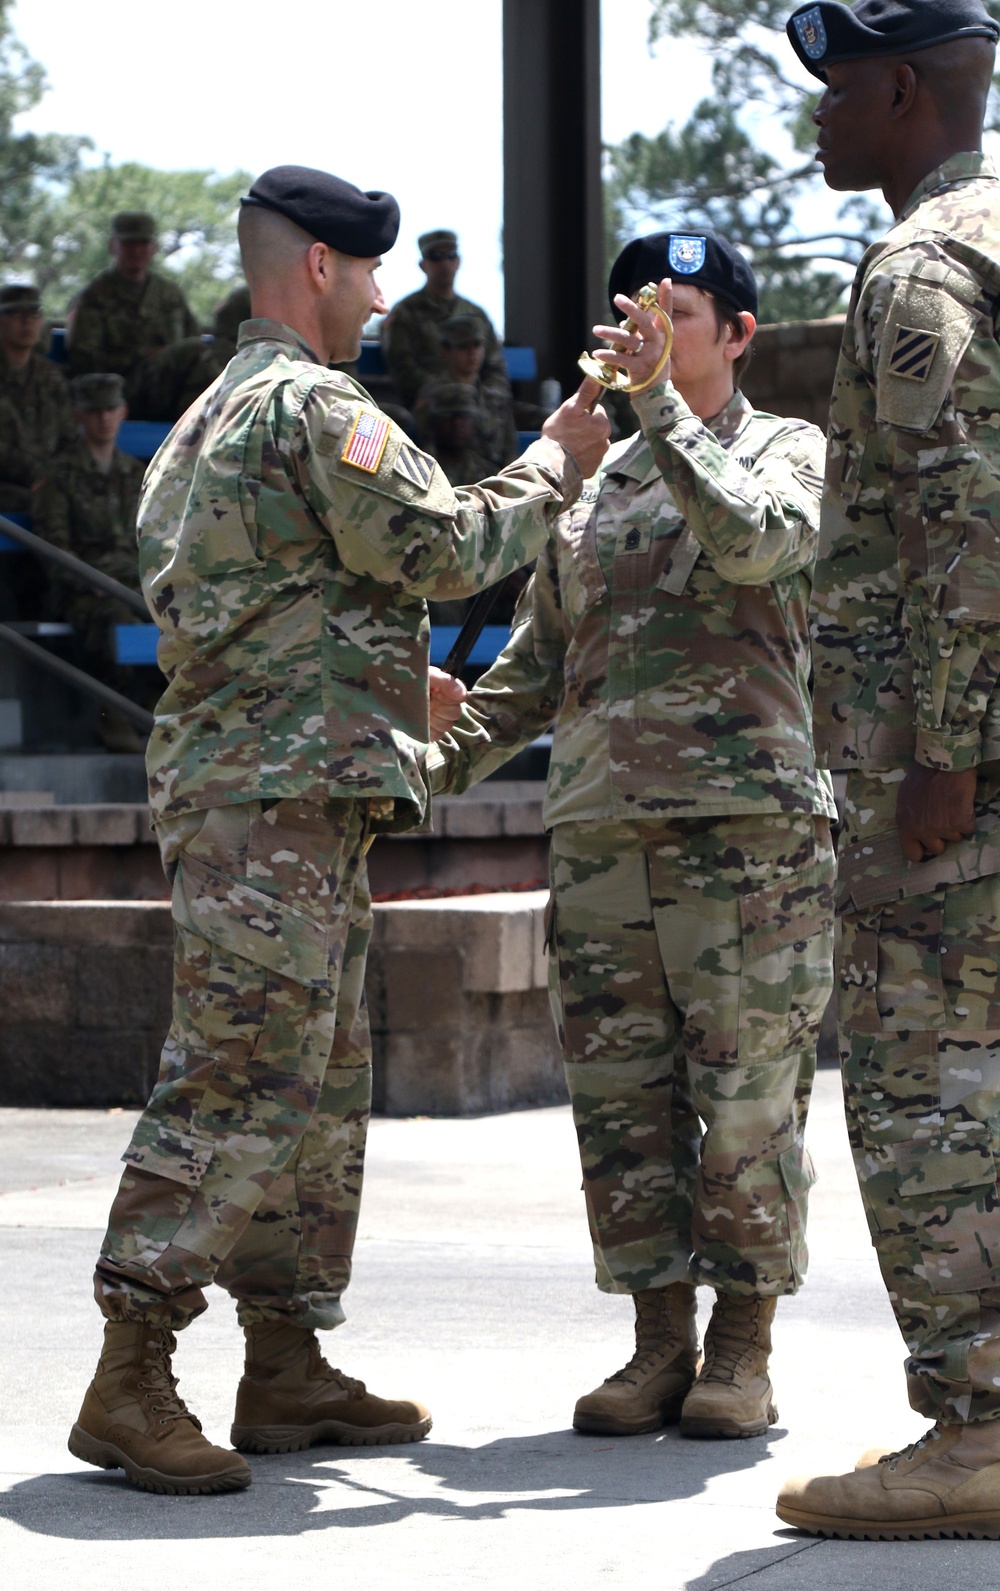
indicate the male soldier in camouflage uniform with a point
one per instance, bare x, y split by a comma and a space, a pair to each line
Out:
35, 414
289, 534
665, 632
411, 334
178, 376
463, 339
453, 417
128, 313
87, 506
906, 629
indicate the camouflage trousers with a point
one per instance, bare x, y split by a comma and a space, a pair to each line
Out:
246, 1165
919, 1012
692, 963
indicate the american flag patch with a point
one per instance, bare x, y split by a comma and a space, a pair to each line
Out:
913, 353
366, 443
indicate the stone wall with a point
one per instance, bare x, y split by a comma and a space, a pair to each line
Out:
792, 368
459, 1009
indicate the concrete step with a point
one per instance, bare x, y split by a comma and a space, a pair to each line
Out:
78, 778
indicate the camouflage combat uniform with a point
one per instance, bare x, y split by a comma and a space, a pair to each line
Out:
665, 632
36, 419
288, 538
117, 324
91, 512
496, 435
413, 350
906, 629
178, 376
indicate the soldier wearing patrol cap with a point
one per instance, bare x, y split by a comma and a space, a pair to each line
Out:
87, 506
906, 640
289, 535
129, 312
35, 416
664, 630
411, 335
463, 343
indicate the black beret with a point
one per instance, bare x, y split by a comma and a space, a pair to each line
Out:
703, 258
825, 32
332, 211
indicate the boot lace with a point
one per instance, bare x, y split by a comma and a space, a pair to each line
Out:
656, 1334
160, 1387
727, 1346
914, 1447
326, 1372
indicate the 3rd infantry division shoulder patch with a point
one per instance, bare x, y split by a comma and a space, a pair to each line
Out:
414, 466
913, 353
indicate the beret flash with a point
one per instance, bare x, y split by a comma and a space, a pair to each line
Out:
823, 34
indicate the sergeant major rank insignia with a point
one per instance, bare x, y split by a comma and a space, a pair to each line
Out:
812, 32
366, 442
414, 466
913, 353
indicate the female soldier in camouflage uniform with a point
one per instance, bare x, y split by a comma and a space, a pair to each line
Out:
665, 632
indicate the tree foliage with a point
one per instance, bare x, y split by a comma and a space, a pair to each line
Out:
714, 172
55, 208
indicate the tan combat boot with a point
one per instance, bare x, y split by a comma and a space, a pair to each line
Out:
290, 1398
732, 1395
647, 1393
945, 1485
132, 1419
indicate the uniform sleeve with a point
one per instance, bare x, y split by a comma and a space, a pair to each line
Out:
86, 338
50, 514
516, 699
407, 373
756, 524
935, 366
395, 518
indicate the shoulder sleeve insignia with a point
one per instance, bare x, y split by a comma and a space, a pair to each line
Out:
414, 466
913, 353
366, 442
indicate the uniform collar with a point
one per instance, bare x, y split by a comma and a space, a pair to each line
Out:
634, 462
272, 331
956, 169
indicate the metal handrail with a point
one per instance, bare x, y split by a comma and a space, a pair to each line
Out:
76, 676
106, 584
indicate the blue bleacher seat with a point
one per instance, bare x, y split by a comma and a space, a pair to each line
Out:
521, 363
370, 360
135, 643
6, 543
141, 438
525, 439
488, 647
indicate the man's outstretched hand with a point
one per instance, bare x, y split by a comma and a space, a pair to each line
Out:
934, 809
446, 697
581, 431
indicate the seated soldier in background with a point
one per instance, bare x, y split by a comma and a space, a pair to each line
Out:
128, 313
411, 332
179, 375
453, 419
463, 343
87, 506
35, 415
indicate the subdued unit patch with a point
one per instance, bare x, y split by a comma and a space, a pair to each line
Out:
414, 466
913, 353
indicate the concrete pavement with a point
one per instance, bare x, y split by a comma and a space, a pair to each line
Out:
473, 1291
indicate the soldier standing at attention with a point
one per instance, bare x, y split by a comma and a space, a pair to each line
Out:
288, 534
35, 414
664, 630
125, 315
906, 633
411, 335
87, 506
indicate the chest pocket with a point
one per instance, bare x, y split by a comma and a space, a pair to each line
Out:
581, 578
693, 577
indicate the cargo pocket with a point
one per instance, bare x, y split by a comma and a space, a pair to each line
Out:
786, 973
909, 986
167, 1165
798, 1174
948, 1193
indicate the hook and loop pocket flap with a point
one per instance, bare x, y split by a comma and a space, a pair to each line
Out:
783, 913
168, 1152
874, 870
945, 1160
248, 923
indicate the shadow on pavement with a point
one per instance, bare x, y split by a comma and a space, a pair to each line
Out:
739, 1566
346, 1487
